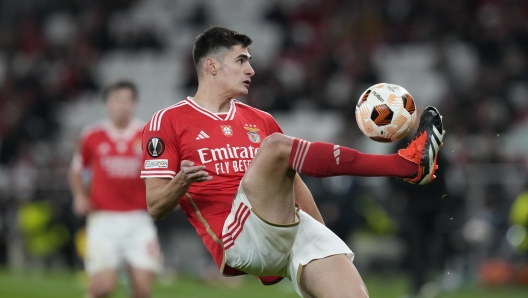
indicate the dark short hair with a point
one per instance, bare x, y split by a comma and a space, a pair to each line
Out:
121, 84
215, 39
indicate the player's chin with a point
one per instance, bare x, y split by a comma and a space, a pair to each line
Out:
241, 92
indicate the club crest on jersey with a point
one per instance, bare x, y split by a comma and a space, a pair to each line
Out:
227, 130
252, 133
155, 147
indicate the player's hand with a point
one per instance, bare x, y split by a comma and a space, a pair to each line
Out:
191, 173
81, 206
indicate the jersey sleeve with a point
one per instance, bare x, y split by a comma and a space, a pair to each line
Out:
273, 126
83, 155
161, 158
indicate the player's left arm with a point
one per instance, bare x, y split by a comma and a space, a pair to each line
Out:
304, 198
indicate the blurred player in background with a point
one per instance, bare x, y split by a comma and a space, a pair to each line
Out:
120, 232
235, 176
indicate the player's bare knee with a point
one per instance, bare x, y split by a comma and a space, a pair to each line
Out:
101, 285
100, 290
277, 144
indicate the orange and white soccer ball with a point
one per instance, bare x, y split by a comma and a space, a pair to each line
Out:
385, 112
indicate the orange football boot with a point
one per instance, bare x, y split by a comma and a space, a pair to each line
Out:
423, 150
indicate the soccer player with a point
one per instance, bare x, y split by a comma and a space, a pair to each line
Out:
120, 231
235, 175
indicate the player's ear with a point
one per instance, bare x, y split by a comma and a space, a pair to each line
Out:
211, 66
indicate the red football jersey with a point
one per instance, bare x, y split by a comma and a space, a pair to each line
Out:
225, 143
114, 156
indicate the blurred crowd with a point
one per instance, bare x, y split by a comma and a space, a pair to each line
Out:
48, 56
328, 52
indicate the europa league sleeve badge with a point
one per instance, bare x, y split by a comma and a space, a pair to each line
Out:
155, 147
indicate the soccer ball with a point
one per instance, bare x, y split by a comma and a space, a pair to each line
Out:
385, 112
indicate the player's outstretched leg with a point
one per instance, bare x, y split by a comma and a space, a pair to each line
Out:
319, 159
268, 183
415, 164
423, 150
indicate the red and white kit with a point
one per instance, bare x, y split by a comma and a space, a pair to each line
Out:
119, 228
114, 157
225, 144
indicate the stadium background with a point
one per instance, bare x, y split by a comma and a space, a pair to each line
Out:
313, 59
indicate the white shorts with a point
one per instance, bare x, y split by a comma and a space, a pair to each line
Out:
116, 238
260, 248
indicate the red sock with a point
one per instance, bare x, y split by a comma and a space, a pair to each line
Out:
320, 159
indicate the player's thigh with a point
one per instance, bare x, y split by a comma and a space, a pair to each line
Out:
141, 248
103, 237
333, 276
314, 253
253, 245
268, 182
142, 281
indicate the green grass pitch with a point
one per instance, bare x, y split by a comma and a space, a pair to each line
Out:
70, 285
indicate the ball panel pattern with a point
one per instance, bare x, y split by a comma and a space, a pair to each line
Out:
408, 103
385, 112
382, 115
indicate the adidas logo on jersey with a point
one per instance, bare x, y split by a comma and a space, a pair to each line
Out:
202, 135
337, 151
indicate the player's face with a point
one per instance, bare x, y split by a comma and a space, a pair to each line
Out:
120, 105
235, 72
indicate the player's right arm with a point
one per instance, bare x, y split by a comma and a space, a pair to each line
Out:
163, 195
167, 177
81, 198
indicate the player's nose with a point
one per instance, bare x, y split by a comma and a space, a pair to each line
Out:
250, 71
